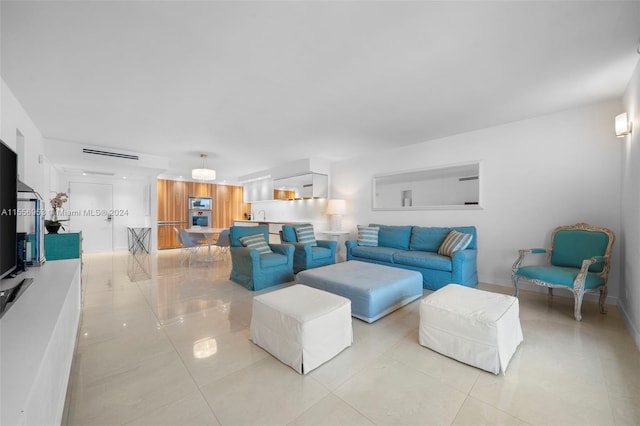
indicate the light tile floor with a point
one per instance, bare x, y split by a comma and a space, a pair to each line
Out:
163, 344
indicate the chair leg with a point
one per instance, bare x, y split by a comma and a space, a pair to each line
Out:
577, 307
603, 297
183, 255
191, 252
550, 291
514, 278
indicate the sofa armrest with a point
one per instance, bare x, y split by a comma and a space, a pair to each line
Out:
286, 249
328, 244
296, 245
350, 244
245, 259
521, 255
464, 266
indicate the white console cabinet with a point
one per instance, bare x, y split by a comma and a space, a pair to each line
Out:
37, 341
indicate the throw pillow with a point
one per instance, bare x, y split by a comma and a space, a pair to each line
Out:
453, 242
256, 242
305, 234
368, 236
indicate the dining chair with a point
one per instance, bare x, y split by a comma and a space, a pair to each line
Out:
191, 246
224, 242
185, 251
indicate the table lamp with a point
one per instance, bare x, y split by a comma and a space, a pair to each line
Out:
336, 208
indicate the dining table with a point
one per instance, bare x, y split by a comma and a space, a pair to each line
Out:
208, 233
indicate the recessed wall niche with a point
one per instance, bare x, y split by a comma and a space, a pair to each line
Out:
446, 187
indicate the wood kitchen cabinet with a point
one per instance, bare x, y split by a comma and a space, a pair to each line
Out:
228, 205
172, 200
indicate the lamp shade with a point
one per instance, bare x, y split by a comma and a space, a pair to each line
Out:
336, 207
623, 127
203, 174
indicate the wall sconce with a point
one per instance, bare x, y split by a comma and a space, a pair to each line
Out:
623, 125
336, 208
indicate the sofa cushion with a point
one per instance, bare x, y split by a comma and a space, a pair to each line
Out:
394, 236
468, 230
272, 259
427, 238
382, 254
423, 259
430, 238
289, 234
256, 242
320, 253
368, 236
305, 234
560, 275
453, 242
571, 247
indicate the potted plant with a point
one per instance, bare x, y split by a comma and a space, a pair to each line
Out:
55, 224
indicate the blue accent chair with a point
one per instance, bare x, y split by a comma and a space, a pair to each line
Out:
578, 261
307, 256
255, 271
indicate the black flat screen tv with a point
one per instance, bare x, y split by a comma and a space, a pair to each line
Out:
8, 209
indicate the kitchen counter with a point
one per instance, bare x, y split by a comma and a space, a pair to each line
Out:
274, 227
268, 222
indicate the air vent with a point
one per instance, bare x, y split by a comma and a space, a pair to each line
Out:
97, 173
109, 154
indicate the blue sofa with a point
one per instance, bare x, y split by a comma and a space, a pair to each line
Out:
416, 248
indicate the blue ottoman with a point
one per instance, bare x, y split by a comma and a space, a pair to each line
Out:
374, 290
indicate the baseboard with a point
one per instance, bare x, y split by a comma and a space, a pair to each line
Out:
593, 297
611, 300
635, 333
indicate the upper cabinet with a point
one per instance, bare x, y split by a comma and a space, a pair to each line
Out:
310, 185
258, 190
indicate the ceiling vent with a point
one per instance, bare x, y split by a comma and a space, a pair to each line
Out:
97, 173
109, 154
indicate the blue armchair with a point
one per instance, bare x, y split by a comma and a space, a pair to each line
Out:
253, 269
578, 261
308, 255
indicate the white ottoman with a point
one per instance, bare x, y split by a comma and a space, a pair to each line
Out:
473, 326
301, 326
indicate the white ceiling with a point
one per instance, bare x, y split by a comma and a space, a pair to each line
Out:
259, 84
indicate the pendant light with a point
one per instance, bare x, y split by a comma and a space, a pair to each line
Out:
204, 173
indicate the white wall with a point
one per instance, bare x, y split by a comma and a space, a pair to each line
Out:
630, 212
38, 171
536, 174
131, 195
68, 156
312, 211
137, 194
14, 119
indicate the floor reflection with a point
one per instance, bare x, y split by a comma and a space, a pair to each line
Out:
139, 266
164, 343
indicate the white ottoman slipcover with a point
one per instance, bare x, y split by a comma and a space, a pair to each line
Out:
301, 326
473, 326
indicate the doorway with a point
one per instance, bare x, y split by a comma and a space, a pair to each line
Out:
91, 205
